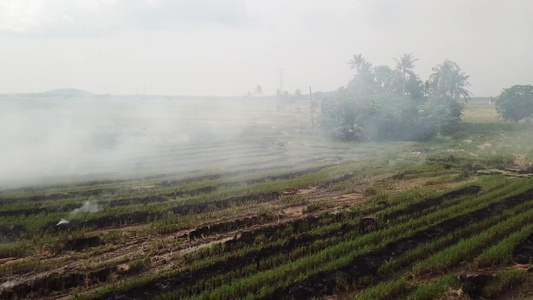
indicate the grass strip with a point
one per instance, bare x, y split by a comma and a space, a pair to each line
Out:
465, 249
502, 252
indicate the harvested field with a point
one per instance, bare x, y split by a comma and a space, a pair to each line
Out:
279, 216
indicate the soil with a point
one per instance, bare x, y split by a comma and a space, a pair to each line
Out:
12, 233
484, 146
54, 282
58, 196
269, 230
307, 191
190, 277
144, 200
506, 172
294, 212
367, 225
473, 285
523, 253
452, 294
144, 216
324, 283
82, 243
103, 222
427, 203
250, 229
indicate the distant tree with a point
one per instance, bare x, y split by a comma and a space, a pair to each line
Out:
448, 81
515, 103
382, 103
384, 77
404, 65
446, 88
360, 64
414, 87
363, 82
258, 90
339, 116
375, 117
298, 93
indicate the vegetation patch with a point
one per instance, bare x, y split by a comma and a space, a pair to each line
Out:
301, 217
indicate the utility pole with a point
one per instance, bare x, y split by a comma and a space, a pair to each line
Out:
281, 81
312, 109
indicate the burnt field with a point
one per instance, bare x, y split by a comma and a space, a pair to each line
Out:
272, 211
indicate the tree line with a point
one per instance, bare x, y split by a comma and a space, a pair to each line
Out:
384, 103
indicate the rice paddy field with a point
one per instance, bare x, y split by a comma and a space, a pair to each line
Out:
256, 205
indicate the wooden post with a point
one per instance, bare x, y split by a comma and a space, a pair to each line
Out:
312, 108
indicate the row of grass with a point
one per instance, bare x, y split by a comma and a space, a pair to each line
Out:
300, 265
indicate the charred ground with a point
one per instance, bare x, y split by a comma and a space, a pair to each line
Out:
286, 215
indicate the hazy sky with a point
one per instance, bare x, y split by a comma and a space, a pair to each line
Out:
225, 48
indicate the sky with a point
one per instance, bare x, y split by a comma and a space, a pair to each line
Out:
227, 48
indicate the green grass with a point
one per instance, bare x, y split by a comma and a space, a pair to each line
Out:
390, 172
434, 289
501, 253
442, 261
385, 290
503, 281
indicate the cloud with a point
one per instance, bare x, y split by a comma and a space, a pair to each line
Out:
223, 47
52, 18
163, 15
66, 18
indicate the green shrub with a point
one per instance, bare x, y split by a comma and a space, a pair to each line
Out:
515, 103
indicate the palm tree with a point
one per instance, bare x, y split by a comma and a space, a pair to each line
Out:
363, 81
405, 65
360, 64
448, 81
388, 80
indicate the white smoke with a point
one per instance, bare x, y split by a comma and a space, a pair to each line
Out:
89, 206
62, 222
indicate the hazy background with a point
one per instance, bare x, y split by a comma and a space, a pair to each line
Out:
217, 47
49, 138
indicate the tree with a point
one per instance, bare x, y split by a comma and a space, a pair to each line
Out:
374, 117
448, 81
385, 79
405, 65
447, 88
414, 87
363, 82
515, 103
258, 90
382, 103
360, 64
339, 116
